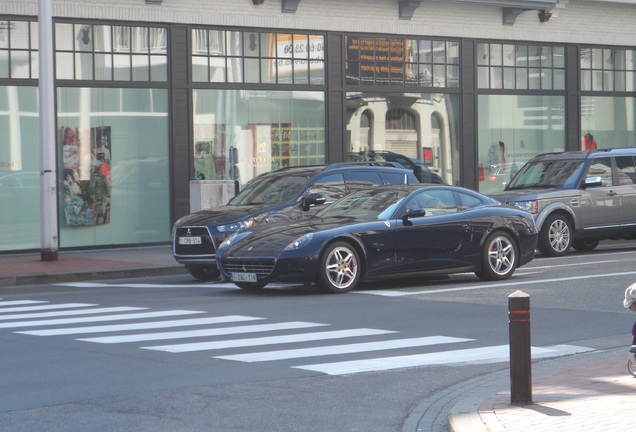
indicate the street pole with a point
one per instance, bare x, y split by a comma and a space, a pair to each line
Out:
48, 172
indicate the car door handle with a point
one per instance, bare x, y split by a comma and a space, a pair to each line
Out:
611, 193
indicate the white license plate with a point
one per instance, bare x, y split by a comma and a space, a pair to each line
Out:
189, 240
243, 277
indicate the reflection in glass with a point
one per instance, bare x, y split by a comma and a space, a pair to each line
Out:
512, 129
421, 128
606, 122
19, 169
113, 153
268, 129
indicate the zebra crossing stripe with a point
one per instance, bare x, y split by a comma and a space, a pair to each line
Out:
200, 333
120, 317
492, 354
271, 340
140, 326
69, 313
342, 349
20, 302
45, 307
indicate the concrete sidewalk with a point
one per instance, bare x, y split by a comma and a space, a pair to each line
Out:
26, 269
586, 392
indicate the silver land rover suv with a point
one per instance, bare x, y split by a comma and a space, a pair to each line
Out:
577, 198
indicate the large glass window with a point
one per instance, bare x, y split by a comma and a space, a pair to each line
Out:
239, 134
415, 128
607, 69
608, 122
513, 129
520, 66
255, 57
19, 168
18, 49
401, 61
113, 166
111, 53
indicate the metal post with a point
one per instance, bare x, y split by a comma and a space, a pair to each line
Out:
48, 172
520, 356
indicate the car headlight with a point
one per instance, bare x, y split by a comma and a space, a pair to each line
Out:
300, 242
235, 226
529, 206
233, 239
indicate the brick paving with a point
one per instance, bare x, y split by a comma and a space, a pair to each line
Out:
597, 396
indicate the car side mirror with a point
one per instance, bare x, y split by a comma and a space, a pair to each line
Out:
593, 182
414, 213
313, 199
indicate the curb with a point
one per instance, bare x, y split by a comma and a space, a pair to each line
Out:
43, 278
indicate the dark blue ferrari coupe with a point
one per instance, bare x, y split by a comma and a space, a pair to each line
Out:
384, 232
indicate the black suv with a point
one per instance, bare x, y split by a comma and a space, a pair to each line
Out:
284, 194
577, 198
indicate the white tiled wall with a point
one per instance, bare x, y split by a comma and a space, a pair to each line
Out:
595, 22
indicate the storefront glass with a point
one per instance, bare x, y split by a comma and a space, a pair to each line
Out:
513, 129
239, 134
607, 122
113, 166
420, 126
19, 169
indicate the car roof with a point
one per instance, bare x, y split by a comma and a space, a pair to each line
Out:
585, 154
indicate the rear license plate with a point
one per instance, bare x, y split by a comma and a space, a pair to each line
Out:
243, 277
189, 240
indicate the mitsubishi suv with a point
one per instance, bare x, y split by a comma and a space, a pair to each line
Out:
577, 198
285, 194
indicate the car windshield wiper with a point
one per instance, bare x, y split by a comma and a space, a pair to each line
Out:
534, 186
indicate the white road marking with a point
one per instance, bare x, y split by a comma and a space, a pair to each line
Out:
103, 318
200, 333
271, 340
69, 313
530, 267
342, 349
492, 354
395, 293
45, 307
140, 326
20, 302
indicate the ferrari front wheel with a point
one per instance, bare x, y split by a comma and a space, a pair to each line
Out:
339, 268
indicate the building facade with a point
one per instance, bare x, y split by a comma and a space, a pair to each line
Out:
154, 95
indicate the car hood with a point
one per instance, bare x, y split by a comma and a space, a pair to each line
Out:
223, 215
271, 239
533, 194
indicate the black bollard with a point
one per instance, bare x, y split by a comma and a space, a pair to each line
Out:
520, 358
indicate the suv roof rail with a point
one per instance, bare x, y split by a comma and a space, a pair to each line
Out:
365, 163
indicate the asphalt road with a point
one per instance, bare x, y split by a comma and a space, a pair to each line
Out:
170, 353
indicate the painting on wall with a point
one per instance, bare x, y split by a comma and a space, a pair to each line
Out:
86, 154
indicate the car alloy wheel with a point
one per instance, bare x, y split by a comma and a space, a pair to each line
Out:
555, 238
339, 268
499, 259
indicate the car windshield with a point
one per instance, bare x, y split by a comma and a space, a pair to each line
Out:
271, 189
367, 204
561, 174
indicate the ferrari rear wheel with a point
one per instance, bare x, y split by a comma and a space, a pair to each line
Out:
339, 270
499, 257
250, 286
204, 273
